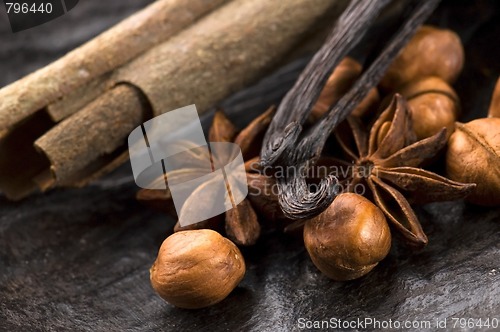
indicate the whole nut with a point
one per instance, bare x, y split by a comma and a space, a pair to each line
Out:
433, 105
349, 238
474, 156
196, 268
340, 81
494, 111
431, 52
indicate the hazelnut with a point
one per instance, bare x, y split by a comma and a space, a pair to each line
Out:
433, 105
431, 52
338, 84
474, 156
196, 268
494, 111
349, 238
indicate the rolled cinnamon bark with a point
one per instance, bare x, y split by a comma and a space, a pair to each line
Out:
118, 45
78, 98
87, 140
223, 52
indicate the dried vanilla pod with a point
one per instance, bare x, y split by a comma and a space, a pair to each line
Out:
431, 52
195, 269
473, 155
433, 104
349, 238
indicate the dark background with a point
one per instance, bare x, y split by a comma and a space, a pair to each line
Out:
78, 259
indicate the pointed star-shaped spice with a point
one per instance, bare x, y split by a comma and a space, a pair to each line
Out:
385, 165
241, 224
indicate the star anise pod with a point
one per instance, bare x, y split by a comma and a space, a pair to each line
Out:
385, 160
241, 224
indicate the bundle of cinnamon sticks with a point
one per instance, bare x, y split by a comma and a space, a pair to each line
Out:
67, 124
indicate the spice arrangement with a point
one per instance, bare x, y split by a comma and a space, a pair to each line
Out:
374, 142
170, 54
380, 156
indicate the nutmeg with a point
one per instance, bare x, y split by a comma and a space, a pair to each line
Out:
338, 84
433, 104
349, 238
474, 156
431, 52
196, 268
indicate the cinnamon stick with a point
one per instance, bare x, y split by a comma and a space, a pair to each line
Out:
75, 147
78, 98
111, 49
217, 55
222, 52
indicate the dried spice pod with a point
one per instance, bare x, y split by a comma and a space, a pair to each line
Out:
196, 269
241, 222
384, 163
433, 105
338, 84
431, 52
349, 238
474, 156
494, 111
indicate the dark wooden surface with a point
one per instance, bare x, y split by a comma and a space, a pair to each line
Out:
79, 259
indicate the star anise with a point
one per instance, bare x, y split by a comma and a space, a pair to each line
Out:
241, 224
385, 160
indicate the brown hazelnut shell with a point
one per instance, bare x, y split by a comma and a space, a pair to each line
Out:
433, 104
473, 156
196, 268
349, 238
494, 111
340, 81
431, 52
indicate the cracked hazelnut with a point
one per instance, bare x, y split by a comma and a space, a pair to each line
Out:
196, 268
431, 52
349, 238
474, 156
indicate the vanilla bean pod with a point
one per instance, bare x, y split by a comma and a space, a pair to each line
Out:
296, 200
297, 104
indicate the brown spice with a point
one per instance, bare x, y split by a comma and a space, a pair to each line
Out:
433, 105
431, 52
196, 269
348, 239
494, 111
385, 160
474, 156
241, 223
